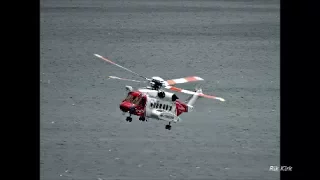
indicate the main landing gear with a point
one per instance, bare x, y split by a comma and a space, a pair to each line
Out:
142, 118
129, 119
131, 111
168, 126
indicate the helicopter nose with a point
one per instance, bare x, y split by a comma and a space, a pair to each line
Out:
125, 106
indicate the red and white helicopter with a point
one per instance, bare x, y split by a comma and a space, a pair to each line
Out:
154, 102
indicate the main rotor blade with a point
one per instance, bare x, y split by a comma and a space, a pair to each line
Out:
192, 93
114, 77
105, 59
184, 80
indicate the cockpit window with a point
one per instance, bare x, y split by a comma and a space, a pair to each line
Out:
143, 101
136, 100
129, 98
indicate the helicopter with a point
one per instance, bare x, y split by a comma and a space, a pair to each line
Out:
154, 101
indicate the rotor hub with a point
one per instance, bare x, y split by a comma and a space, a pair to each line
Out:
156, 84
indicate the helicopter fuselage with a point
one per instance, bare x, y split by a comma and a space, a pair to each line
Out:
145, 103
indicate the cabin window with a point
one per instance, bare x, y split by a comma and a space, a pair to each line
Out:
170, 108
157, 105
151, 104
166, 107
160, 106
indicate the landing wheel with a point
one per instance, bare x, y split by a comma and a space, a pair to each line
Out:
142, 118
129, 119
168, 126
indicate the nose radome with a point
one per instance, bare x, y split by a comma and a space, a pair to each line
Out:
125, 106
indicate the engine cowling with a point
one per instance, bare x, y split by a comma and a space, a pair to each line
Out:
167, 96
